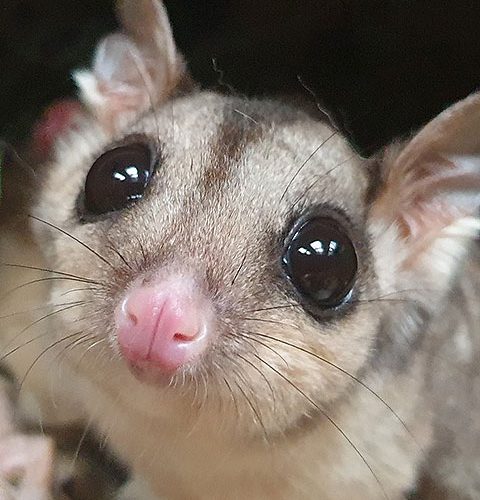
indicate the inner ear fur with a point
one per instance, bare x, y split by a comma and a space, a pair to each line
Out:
135, 69
433, 180
431, 185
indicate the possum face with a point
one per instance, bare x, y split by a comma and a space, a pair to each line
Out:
235, 254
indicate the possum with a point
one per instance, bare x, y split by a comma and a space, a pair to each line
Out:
238, 304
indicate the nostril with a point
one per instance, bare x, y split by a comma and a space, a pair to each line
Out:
129, 313
132, 318
181, 337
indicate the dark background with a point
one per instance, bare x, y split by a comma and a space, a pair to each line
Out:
383, 67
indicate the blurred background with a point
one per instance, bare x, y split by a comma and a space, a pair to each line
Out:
381, 67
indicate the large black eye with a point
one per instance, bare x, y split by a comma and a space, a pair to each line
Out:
321, 262
118, 178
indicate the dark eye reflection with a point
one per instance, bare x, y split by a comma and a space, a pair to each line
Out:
118, 178
321, 262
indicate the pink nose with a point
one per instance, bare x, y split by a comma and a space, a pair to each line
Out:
163, 326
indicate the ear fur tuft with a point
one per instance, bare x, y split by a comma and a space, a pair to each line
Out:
134, 70
431, 188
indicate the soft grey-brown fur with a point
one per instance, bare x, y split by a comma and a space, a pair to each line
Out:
355, 405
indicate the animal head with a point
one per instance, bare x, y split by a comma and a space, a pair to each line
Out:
235, 254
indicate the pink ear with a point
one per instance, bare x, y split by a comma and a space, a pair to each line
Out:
431, 186
135, 70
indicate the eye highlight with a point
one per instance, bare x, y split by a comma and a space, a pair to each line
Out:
321, 262
118, 178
